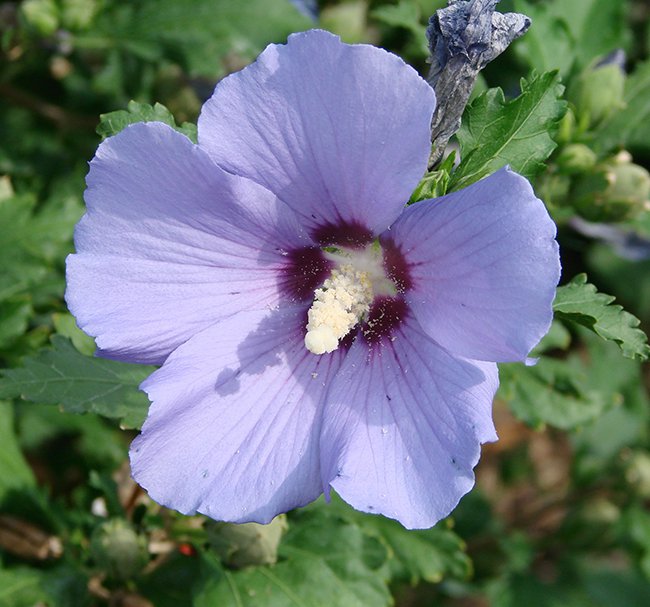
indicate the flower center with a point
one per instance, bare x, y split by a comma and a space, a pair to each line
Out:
344, 299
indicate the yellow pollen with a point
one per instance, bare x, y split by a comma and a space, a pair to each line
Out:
338, 306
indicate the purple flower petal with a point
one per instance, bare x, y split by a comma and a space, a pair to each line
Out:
483, 266
171, 244
235, 419
403, 425
338, 132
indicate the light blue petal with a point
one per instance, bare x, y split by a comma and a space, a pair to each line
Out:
171, 244
484, 265
233, 431
403, 426
339, 132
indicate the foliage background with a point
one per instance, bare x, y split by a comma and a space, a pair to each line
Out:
560, 515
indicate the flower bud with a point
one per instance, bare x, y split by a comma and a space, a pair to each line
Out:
247, 543
567, 127
118, 550
553, 187
616, 191
637, 473
601, 510
576, 158
597, 92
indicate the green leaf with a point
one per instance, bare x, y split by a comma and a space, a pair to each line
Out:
80, 384
66, 325
21, 588
567, 33
597, 27
15, 313
16, 474
325, 562
79, 14
629, 127
616, 587
424, 554
173, 582
624, 426
581, 303
205, 38
28, 587
407, 15
548, 44
586, 387
558, 337
41, 15
19, 267
113, 122
555, 392
496, 132
33, 243
515, 590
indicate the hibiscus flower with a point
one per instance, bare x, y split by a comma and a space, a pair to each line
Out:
314, 332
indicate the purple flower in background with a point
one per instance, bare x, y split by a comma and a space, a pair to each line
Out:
313, 331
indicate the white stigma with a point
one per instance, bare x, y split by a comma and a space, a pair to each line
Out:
339, 305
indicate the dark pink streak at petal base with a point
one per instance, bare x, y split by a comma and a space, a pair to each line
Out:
384, 318
343, 234
305, 271
395, 264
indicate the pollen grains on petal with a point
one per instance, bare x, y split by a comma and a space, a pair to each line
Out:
384, 317
395, 264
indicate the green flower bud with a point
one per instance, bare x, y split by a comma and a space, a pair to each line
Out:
118, 550
637, 473
248, 543
567, 127
576, 158
553, 188
616, 191
598, 92
434, 184
6, 189
600, 510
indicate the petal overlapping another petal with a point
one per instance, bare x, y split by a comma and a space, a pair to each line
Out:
483, 265
233, 430
403, 424
338, 132
171, 244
